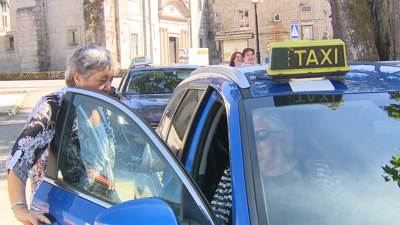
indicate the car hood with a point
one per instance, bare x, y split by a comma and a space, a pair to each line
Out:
150, 107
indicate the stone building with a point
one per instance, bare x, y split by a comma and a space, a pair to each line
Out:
40, 35
44, 33
5, 17
234, 28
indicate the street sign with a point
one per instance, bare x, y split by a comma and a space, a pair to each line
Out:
294, 30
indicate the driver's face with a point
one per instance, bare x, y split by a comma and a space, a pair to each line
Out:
270, 147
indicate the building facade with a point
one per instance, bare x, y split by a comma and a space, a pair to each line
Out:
235, 27
40, 35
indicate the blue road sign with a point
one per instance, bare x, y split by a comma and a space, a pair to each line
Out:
294, 30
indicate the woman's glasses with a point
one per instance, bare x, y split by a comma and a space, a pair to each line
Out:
264, 134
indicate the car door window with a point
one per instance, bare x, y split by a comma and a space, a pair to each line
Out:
166, 120
212, 146
106, 154
183, 118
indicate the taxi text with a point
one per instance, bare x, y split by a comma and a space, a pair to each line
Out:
306, 99
316, 57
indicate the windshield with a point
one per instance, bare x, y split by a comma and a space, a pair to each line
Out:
322, 163
157, 81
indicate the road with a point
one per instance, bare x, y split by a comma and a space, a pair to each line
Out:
11, 126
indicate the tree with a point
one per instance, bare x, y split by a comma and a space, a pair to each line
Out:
386, 24
351, 22
393, 172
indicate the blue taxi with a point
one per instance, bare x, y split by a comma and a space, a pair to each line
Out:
308, 140
147, 87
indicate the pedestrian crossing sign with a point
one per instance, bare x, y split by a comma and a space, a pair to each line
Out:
294, 30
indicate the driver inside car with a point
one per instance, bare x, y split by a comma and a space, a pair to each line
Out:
289, 174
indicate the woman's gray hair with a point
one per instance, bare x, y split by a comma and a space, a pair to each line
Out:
88, 60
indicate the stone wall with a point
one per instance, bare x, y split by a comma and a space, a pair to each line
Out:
32, 76
63, 17
93, 17
40, 29
129, 24
111, 28
41, 75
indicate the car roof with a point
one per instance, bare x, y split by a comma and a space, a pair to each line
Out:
380, 76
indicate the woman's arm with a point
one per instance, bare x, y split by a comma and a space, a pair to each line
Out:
16, 192
28, 148
222, 200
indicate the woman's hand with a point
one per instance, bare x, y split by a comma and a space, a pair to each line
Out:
16, 192
27, 217
159, 165
175, 150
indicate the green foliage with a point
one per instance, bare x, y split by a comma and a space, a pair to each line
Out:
333, 106
393, 171
393, 110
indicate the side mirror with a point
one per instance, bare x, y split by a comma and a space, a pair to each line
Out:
139, 211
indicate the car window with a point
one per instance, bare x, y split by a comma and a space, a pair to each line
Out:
183, 118
105, 153
323, 161
157, 81
166, 120
212, 146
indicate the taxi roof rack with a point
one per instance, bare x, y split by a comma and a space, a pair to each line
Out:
232, 73
142, 60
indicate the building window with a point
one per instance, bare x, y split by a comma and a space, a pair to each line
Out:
4, 13
134, 44
10, 42
306, 32
73, 37
243, 18
277, 17
306, 8
201, 43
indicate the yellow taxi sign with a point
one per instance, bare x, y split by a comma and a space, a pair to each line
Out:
299, 59
301, 99
142, 60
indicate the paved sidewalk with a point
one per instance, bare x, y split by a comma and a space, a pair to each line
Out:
13, 93
11, 100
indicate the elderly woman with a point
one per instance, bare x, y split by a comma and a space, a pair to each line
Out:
290, 174
91, 67
274, 141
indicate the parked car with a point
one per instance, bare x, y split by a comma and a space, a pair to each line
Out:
327, 139
146, 87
